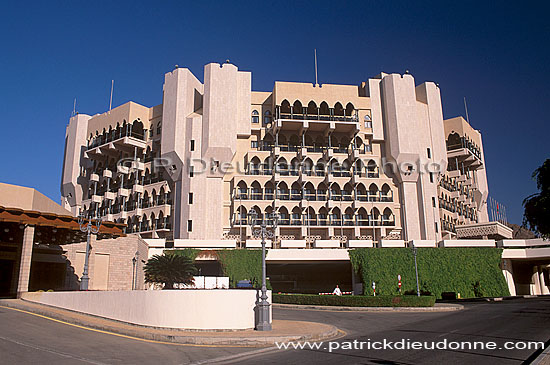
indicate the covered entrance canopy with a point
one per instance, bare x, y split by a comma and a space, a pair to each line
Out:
34, 237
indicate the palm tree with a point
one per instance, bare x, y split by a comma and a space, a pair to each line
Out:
169, 269
537, 206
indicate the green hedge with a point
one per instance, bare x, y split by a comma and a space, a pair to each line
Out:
192, 253
243, 264
356, 300
471, 271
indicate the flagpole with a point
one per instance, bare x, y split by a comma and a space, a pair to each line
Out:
316, 83
111, 99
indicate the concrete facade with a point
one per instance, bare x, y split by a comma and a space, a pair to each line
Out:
374, 161
115, 264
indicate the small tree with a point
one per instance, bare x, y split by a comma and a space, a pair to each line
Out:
537, 206
169, 269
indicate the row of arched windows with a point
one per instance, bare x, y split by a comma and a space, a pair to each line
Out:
312, 108
307, 167
146, 223
321, 217
311, 192
256, 117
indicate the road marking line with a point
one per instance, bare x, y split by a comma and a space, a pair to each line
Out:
63, 354
118, 334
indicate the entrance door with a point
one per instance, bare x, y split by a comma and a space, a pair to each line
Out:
6, 276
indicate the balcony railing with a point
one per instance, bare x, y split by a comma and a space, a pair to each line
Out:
301, 116
465, 143
113, 136
256, 196
157, 224
449, 227
325, 222
346, 196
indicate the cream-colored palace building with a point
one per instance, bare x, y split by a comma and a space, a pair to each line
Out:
341, 165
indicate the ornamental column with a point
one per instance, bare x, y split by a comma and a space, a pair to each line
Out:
26, 259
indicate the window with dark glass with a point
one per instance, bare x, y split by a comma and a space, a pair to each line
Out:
255, 116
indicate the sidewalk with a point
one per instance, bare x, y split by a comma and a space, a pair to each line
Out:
438, 307
282, 330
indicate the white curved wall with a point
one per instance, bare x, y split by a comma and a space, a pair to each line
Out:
186, 309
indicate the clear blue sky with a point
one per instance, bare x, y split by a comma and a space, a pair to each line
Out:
496, 54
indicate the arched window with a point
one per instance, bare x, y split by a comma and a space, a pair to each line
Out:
159, 128
297, 108
349, 109
255, 117
368, 121
267, 117
285, 107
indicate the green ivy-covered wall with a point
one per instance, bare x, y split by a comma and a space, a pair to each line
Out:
241, 264
472, 272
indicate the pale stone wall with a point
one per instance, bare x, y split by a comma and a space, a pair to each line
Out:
120, 251
128, 112
214, 309
75, 138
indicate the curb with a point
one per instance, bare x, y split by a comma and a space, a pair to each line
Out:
183, 337
491, 299
436, 308
540, 357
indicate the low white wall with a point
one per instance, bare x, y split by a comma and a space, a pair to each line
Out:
207, 282
293, 243
392, 243
185, 243
298, 254
326, 244
360, 243
185, 309
468, 243
523, 243
257, 243
423, 243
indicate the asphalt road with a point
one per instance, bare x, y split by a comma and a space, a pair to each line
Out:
499, 322
25, 338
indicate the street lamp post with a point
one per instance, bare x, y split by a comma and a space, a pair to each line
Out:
135, 261
415, 252
90, 229
263, 307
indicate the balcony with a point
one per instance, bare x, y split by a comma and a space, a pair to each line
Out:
283, 196
340, 150
448, 227
315, 149
256, 196
350, 116
464, 143
116, 137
